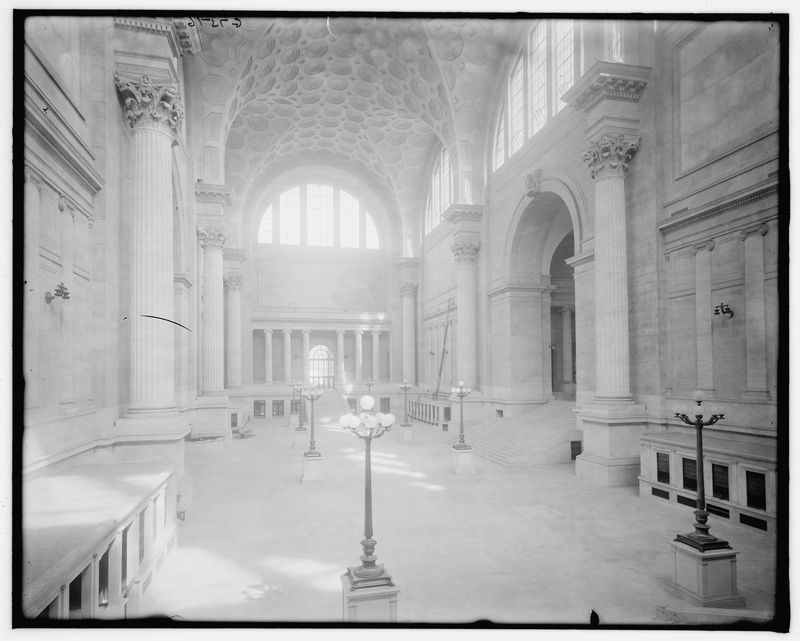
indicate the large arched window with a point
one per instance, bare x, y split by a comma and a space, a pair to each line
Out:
318, 215
440, 196
544, 72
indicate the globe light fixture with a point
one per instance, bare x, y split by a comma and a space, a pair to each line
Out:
312, 394
405, 387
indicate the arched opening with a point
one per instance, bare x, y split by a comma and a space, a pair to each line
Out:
562, 321
321, 366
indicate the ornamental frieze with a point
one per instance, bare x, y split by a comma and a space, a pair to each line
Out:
211, 236
147, 103
610, 155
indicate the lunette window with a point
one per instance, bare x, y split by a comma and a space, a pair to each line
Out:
440, 196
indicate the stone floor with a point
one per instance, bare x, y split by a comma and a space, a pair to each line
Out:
512, 545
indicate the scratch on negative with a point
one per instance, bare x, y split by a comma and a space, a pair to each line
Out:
166, 319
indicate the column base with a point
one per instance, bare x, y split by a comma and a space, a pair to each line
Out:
312, 468
463, 460
705, 578
612, 431
377, 604
212, 418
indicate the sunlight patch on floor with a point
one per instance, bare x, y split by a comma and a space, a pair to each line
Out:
319, 575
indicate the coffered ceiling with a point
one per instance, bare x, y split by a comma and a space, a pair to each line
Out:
377, 95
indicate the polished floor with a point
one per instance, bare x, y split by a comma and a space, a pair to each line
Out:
529, 545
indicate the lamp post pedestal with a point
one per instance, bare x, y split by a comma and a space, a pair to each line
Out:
368, 604
707, 578
463, 459
312, 467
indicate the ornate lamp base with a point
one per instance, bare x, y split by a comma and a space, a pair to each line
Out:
703, 543
311, 453
361, 577
461, 446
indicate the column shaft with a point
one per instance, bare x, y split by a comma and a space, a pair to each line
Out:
67, 364
409, 333
152, 337
287, 355
376, 356
358, 355
234, 309
705, 363
566, 344
754, 302
304, 356
32, 298
213, 310
268, 356
340, 357
466, 255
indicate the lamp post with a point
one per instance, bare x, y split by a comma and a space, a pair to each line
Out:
461, 392
312, 394
369, 387
297, 387
368, 426
405, 387
700, 538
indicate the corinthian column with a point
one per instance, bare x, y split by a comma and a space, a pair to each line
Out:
267, 356
754, 305
154, 112
358, 334
287, 355
608, 158
340, 357
466, 255
212, 239
306, 350
376, 355
234, 286
702, 298
409, 294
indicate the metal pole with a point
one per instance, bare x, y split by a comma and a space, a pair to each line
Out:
461, 411
701, 484
311, 440
368, 487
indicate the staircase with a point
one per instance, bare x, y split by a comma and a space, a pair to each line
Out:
327, 408
540, 436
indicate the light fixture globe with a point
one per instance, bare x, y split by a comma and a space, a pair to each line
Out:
388, 420
367, 403
344, 420
354, 421
370, 421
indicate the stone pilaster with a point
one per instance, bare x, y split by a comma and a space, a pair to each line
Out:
268, 356
408, 293
376, 355
32, 296
66, 366
154, 112
566, 344
287, 355
340, 357
233, 284
212, 240
703, 304
358, 333
466, 256
304, 356
754, 305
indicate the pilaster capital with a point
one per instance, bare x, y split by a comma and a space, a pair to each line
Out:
408, 289
212, 237
376, 332
709, 245
358, 332
306, 332
234, 254
33, 177
609, 155
340, 332
233, 282
606, 80
287, 332
761, 229
148, 104
465, 251
267, 332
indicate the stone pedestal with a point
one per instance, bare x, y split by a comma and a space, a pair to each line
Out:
368, 605
611, 444
406, 433
463, 460
212, 417
705, 578
312, 468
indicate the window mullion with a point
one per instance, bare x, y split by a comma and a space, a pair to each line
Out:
337, 228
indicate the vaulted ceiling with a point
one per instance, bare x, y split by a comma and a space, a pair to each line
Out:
377, 95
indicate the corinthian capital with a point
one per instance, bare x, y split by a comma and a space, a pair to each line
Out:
465, 251
408, 289
149, 104
233, 282
610, 155
211, 236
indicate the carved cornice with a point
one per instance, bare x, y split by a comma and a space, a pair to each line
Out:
463, 213
148, 104
695, 216
183, 40
233, 282
465, 251
212, 237
218, 194
188, 37
408, 289
607, 80
610, 155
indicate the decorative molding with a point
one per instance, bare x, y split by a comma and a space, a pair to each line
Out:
163, 27
519, 289
212, 236
148, 104
607, 80
188, 37
233, 282
696, 216
287, 332
182, 280
610, 155
461, 212
408, 289
217, 194
761, 229
235, 254
709, 244
465, 251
